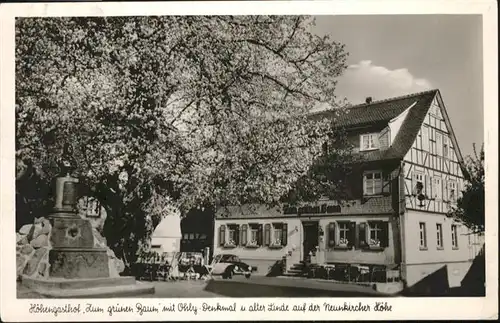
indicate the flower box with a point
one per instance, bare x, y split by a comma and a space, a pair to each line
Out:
374, 245
252, 244
230, 244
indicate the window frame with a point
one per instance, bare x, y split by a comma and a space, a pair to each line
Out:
422, 229
453, 189
454, 236
439, 236
343, 227
437, 191
374, 140
373, 179
276, 227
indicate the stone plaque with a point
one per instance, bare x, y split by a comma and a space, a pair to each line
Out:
78, 263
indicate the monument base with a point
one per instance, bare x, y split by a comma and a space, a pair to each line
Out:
87, 287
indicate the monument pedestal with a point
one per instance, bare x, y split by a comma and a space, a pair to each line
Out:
77, 266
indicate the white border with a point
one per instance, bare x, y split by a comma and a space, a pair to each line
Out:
12, 309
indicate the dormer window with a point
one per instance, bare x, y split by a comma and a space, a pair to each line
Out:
369, 141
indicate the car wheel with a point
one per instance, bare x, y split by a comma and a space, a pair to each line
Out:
230, 274
247, 275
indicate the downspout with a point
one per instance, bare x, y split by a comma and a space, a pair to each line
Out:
401, 217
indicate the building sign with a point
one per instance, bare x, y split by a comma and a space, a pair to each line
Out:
309, 209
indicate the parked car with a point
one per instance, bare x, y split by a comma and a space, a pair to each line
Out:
228, 265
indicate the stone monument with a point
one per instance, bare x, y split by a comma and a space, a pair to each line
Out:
64, 256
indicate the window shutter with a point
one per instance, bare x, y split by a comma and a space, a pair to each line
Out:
244, 232
222, 235
386, 183
352, 233
267, 234
413, 183
362, 235
356, 236
284, 235
259, 235
384, 239
331, 234
237, 235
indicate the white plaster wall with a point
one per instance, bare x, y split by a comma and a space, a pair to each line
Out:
263, 256
420, 263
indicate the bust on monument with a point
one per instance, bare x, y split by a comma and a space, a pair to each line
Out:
66, 161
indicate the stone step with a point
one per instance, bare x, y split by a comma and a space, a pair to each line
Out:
101, 292
294, 274
81, 283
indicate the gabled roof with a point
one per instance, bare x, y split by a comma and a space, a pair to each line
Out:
380, 113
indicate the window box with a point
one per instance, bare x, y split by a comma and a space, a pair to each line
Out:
374, 244
230, 244
276, 244
343, 243
252, 245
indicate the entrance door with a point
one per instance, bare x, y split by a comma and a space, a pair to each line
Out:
310, 239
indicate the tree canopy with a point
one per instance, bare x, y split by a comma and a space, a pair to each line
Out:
470, 206
176, 111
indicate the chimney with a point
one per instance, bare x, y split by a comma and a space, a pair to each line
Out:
368, 100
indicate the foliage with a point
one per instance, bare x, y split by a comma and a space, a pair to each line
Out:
470, 206
174, 112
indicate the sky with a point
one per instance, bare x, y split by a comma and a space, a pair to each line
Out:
393, 55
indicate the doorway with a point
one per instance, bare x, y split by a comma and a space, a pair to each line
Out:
310, 242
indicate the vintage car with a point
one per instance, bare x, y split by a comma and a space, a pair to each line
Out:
227, 265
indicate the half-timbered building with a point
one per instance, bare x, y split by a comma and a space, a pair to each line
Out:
396, 216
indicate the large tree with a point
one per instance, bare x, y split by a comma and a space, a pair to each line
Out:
176, 111
470, 206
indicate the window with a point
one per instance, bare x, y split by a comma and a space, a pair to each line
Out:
452, 191
369, 141
454, 236
375, 230
439, 233
439, 143
277, 230
445, 146
423, 236
418, 185
372, 183
254, 234
231, 235
278, 234
376, 234
437, 188
425, 138
343, 233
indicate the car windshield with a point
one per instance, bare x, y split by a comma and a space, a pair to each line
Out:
229, 258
